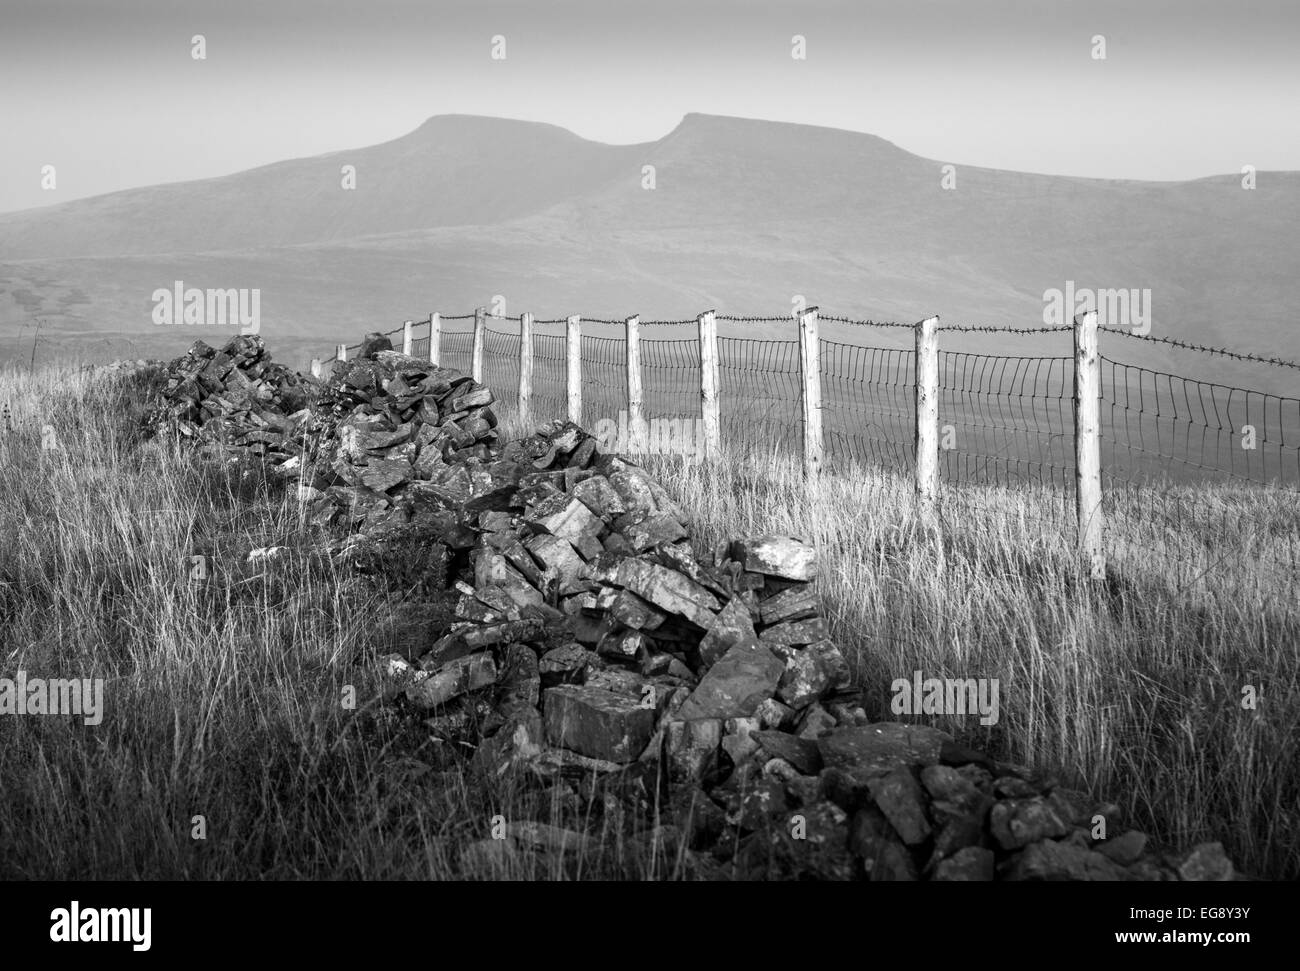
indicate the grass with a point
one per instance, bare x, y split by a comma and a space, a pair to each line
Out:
223, 697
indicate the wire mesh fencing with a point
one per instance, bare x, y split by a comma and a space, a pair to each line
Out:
1179, 455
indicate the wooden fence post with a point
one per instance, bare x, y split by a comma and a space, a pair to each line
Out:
709, 410
1087, 442
342, 353
315, 367
476, 356
435, 338
407, 338
636, 426
927, 413
811, 371
573, 349
526, 368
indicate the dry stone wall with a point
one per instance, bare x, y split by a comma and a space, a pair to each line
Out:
589, 634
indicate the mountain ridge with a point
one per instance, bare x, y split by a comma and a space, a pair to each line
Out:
745, 214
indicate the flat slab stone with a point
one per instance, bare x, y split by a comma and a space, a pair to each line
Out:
456, 678
776, 556
598, 723
573, 522
883, 746
736, 685
668, 590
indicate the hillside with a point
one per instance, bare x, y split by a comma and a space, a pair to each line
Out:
745, 214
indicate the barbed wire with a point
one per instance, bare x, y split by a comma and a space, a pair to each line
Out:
1203, 349
1002, 329
833, 319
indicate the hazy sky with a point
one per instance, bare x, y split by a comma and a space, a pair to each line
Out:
109, 94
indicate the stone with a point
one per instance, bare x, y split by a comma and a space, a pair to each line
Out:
621, 681
811, 674
1125, 849
489, 635
762, 801
732, 625
382, 475
643, 532
690, 747
883, 856
559, 558
972, 863
519, 683
636, 612
811, 844
802, 753
772, 714
776, 556
668, 590
600, 497
565, 664
572, 522
1050, 860
552, 839
454, 679
883, 746
1206, 862
597, 723
899, 796
795, 633
736, 685
1018, 822
701, 820
627, 644
814, 722
795, 603
520, 739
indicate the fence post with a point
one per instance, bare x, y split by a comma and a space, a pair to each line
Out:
315, 367
526, 368
407, 338
811, 371
709, 384
342, 354
636, 427
573, 349
435, 337
476, 357
927, 413
1087, 442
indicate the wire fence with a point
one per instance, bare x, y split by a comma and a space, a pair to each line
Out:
1174, 448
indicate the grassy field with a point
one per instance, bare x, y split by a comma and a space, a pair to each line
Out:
223, 697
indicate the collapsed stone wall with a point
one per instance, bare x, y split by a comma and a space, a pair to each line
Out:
590, 635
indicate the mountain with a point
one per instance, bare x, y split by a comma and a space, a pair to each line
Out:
744, 214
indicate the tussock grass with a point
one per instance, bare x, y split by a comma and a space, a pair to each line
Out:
1131, 689
223, 698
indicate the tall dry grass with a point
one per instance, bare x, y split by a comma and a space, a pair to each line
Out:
223, 698
1132, 688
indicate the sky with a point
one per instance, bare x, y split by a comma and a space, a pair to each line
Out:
110, 95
